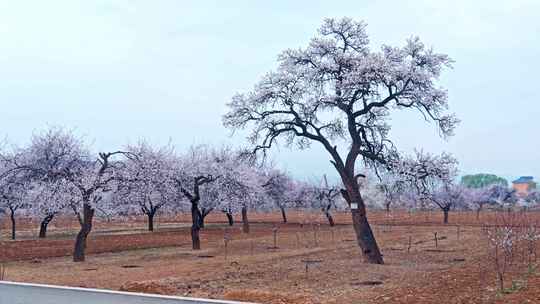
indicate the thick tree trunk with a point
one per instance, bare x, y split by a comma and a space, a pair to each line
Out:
195, 226
43, 226
330, 218
366, 239
283, 215
13, 228
245, 221
230, 218
445, 212
364, 234
151, 220
86, 227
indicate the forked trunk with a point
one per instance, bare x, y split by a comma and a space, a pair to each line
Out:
364, 234
195, 227
202, 215
245, 221
86, 227
283, 215
43, 226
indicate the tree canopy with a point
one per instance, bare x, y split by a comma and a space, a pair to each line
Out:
482, 180
338, 91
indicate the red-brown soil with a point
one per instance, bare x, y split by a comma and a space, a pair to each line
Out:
124, 256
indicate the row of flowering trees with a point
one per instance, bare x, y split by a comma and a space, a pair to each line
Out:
56, 173
424, 181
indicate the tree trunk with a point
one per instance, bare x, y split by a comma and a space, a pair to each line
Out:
151, 215
202, 215
478, 213
387, 205
364, 234
86, 227
13, 228
445, 212
230, 218
43, 226
283, 215
245, 221
201, 220
330, 218
195, 226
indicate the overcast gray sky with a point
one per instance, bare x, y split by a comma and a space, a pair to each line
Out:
117, 71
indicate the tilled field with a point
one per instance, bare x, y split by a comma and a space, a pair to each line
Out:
308, 263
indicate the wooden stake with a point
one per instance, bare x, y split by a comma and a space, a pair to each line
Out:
226, 241
274, 231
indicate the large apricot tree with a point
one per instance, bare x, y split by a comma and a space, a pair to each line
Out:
338, 91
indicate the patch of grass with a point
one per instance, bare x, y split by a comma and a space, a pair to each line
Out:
517, 285
532, 270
